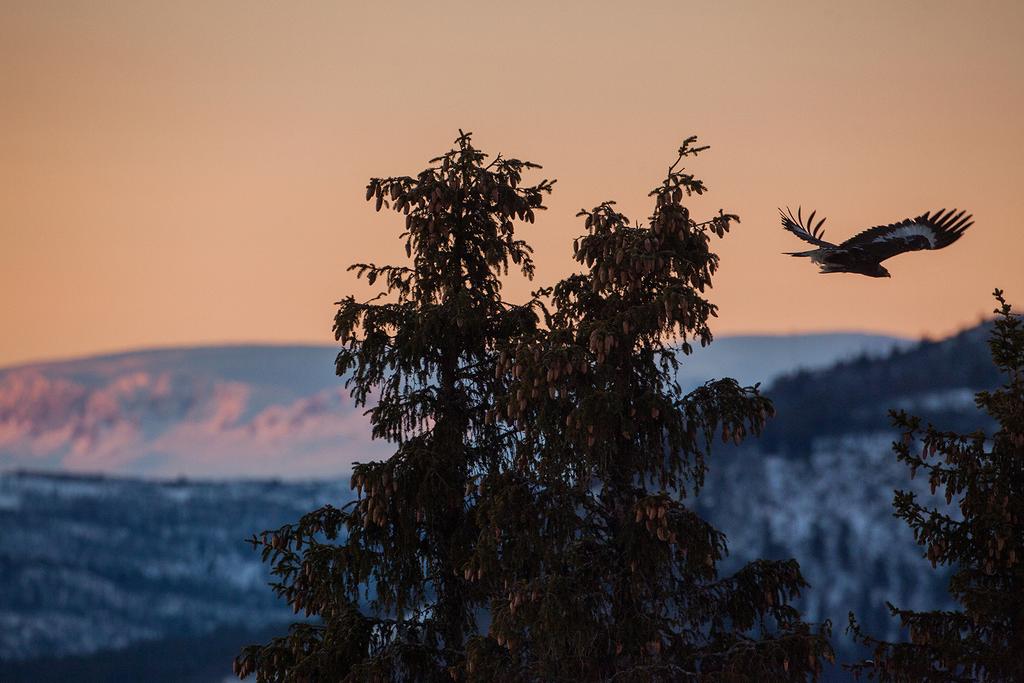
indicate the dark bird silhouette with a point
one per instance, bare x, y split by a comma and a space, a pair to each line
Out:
863, 253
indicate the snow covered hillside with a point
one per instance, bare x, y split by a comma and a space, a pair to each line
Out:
91, 563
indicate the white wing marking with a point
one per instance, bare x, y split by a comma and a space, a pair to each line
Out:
912, 230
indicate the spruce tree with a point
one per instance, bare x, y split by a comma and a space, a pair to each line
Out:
982, 537
597, 567
383, 577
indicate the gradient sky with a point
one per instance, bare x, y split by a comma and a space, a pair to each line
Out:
193, 172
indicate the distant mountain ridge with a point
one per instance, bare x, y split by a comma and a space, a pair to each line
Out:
267, 411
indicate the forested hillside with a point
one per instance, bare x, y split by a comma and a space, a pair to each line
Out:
936, 379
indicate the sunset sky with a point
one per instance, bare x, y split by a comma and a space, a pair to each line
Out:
193, 172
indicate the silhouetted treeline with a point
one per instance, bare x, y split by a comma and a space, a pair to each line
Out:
936, 379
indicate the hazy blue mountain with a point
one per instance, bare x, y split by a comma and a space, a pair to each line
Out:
265, 411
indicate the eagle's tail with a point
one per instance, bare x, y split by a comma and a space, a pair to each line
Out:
801, 253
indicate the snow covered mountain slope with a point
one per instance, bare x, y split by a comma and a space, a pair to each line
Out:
265, 411
832, 511
203, 412
91, 563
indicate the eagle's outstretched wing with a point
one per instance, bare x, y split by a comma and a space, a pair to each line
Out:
927, 231
808, 232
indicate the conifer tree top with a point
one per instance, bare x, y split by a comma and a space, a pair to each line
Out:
981, 537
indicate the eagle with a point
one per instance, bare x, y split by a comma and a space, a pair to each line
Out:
863, 253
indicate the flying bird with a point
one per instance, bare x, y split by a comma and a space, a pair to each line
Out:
863, 253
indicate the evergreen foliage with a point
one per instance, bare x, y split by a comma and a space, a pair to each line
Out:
598, 568
425, 363
531, 523
984, 641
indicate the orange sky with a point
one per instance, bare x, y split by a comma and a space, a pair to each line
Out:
178, 173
